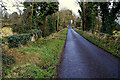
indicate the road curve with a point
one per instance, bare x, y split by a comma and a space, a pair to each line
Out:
82, 59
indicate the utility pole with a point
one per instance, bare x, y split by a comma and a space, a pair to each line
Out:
84, 17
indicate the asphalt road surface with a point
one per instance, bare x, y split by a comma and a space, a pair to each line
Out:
82, 59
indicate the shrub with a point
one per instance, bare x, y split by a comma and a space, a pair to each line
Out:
15, 40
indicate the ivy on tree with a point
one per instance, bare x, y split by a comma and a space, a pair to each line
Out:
40, 11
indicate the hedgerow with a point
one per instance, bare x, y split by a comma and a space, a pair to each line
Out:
17, 40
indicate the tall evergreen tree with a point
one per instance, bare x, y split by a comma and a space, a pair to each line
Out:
40, 11
109, 16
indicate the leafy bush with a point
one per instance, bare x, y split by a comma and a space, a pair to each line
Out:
16, 40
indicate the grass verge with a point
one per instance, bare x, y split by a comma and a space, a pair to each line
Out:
107, 44
38, 59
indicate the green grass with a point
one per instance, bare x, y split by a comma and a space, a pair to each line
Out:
107, 44
38, 59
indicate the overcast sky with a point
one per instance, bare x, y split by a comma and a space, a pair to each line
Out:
63, 4
69, 4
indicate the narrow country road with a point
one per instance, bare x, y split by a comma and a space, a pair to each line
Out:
82, 59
